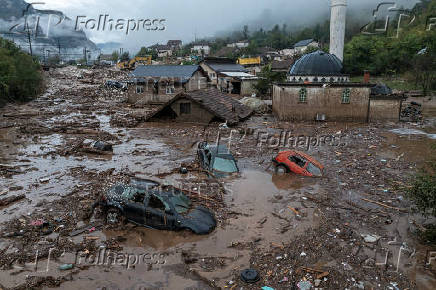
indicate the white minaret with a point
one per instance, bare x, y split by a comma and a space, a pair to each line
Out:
337, 27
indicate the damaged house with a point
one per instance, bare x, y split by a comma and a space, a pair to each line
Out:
228, 76
202, 106
303, 45
384, 104
162, 50
157, 84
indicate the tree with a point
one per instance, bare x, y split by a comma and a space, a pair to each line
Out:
267, 78
424, 67
423, 194
115, 56
125, 56
144, 51
245, 32
20, 76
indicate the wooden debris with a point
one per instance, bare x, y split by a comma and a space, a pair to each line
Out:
294, 210
275, 245
384, 205
8, 200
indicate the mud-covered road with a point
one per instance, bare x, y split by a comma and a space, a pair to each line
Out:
354, 229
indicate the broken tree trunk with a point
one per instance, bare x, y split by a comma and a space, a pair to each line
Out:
8, 200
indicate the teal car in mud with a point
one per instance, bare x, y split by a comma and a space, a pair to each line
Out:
216, 159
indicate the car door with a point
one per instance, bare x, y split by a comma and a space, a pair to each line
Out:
208, 160
135, 212
155, 212
297, 164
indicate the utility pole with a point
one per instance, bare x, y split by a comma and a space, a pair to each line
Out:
84, 52
28, 38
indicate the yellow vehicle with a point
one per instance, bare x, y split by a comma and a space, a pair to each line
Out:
132, 63
249, 61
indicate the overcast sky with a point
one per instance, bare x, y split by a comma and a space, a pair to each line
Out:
186, 19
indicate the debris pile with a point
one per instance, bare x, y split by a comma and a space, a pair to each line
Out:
412, 113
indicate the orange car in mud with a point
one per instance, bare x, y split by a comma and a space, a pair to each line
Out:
297, 162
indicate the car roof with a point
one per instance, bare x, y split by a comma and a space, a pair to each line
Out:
307, 157
220, 150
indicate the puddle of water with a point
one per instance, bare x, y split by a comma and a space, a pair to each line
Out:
413, 149
406, 131
254, 197
133, 155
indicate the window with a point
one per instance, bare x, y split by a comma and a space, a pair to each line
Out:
297, 160
346, 96
156, 203
303, 95
170, 90
212, 75
139, 89
185, 108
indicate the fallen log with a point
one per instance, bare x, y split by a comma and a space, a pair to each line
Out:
8, 200
384, 205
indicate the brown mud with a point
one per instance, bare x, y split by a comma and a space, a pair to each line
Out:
43, 158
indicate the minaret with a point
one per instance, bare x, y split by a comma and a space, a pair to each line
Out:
337, 27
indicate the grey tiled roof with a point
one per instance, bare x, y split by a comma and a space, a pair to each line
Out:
170, 71
226, 67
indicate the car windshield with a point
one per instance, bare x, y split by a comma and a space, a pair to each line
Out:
181, 203
225, 165
313, 169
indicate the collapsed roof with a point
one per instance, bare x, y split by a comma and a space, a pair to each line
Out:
221, 105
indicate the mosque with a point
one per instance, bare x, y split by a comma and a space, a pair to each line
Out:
317, 88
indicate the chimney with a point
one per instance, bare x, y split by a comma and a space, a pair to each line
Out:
337, 27
366, 77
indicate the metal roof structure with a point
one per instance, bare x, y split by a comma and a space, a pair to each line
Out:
184, 72
226, 67
304, 42
238, 74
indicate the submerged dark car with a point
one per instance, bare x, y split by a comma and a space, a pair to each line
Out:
143, 203
216, 159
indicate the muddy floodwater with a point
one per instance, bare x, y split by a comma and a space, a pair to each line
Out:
353, 228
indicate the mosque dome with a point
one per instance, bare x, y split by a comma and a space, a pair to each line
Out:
318, 63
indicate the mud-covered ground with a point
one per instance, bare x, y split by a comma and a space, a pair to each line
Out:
352, 228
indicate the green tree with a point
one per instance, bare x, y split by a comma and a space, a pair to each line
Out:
115, 56
245, 32
125, 56
267, 78
423, 193
144, 51
20, 76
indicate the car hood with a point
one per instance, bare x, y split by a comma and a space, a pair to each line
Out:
201, 221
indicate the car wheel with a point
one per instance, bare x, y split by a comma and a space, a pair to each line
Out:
114, 216
281, 169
